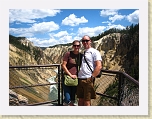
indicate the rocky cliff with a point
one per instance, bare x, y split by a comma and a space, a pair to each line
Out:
118, 51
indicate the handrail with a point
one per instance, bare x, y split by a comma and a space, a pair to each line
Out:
28, 66
125, 74
131, 78
32, 85
60, 74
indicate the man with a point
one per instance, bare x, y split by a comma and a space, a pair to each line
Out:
85, 88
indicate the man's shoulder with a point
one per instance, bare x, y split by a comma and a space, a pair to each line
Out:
94, 50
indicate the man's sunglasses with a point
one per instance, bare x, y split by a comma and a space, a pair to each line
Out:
85, 41
76, 45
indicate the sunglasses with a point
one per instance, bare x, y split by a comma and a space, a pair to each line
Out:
76, 45
85, 41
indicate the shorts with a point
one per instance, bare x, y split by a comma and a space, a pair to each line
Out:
85, 89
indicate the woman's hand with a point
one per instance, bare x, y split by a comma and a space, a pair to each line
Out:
74, 76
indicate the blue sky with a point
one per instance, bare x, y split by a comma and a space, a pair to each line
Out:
48, 27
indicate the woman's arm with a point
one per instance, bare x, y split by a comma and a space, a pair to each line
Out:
65, 68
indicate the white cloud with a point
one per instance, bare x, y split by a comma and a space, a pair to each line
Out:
43, 42
134, 17
115, 26
108, 12
77, 38
19, 30
26, 34
42, 28
91, 31
65, 39
28, 15
72, 20
52, 41
61, 33
106, 22
116, 17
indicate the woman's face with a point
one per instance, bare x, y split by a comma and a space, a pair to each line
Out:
76, 46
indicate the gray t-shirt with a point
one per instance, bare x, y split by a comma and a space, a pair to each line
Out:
91, 56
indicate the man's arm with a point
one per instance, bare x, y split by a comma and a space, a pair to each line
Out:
97, 69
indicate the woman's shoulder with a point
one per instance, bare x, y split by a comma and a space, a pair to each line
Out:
81, 54
66, 54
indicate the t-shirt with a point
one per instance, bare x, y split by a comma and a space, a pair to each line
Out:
91, 56
72, 61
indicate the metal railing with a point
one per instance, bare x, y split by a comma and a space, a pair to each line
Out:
24, 86
117, 89
113, 88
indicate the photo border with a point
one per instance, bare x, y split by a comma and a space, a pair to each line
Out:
15, 4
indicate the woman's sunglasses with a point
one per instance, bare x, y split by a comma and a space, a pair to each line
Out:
76, 45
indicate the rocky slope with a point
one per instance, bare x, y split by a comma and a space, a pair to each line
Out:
117, 50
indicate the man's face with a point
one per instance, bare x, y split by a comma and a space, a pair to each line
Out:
86, 42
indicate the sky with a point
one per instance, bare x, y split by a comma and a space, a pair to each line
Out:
49, 27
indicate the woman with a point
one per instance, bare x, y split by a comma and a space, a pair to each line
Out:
70, 64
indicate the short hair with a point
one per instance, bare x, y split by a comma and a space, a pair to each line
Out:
87, 36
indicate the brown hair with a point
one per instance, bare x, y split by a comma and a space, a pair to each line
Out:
76, 41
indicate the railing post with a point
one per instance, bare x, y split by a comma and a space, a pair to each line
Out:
62, 85
120, 89
59, 84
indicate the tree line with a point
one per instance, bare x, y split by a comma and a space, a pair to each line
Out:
15, 41
130, 30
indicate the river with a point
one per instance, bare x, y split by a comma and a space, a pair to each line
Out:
53, 95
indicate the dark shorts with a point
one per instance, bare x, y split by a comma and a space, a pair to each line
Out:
85, 89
